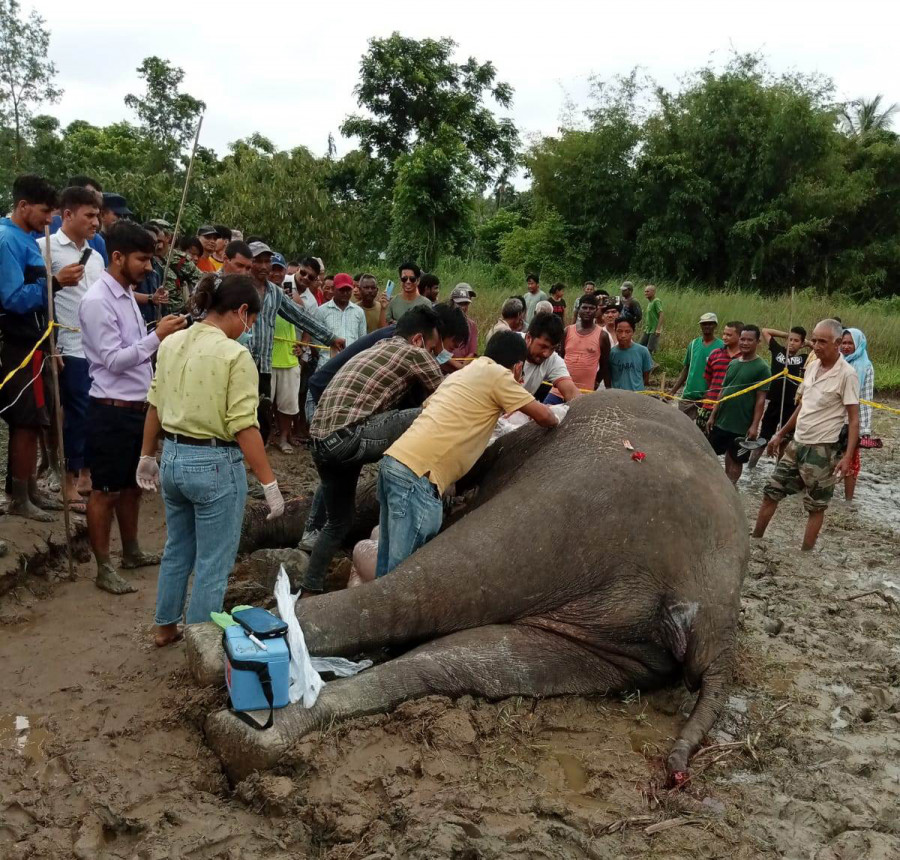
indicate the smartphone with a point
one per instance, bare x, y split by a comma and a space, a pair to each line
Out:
261, 623
389, 289
84, 256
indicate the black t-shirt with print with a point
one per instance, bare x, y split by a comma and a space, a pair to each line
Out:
795, 364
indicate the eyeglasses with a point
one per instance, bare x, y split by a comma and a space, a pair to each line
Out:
407, 279
309, 276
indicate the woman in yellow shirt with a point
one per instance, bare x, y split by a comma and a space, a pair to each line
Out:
203, 400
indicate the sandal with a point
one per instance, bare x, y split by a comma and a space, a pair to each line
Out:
76, 507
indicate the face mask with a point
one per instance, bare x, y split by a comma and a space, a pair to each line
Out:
443, 356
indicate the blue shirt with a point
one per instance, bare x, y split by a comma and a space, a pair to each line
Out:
627, 366
23, 285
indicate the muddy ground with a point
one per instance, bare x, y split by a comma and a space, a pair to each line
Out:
101, 755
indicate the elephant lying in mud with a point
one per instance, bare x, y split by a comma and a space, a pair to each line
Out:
576, 570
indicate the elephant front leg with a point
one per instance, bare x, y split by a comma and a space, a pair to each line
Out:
494, 662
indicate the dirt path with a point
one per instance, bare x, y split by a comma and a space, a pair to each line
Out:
804, 764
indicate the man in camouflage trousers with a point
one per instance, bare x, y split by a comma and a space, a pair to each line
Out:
818, 456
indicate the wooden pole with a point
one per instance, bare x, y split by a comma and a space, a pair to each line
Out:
187, 182
57, 402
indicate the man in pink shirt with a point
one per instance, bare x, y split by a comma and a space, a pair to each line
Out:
118, 350
585, 349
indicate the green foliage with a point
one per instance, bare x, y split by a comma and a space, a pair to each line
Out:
414, 91
166, 114
546, 248
298, 219
26, 75
432, 210
491, 232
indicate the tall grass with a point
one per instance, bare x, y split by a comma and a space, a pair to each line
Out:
682, 307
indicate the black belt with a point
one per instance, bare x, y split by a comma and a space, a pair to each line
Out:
180, 439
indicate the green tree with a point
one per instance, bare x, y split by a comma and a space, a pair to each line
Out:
165, 113
587, 175
432, 206
546, 248
864, 116
298, 218
26, 75
413, 90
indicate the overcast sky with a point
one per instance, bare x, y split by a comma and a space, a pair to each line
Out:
287, 69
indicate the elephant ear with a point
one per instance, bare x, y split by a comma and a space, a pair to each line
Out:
675, 624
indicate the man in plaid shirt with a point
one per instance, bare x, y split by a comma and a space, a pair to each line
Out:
716, 368
357, 420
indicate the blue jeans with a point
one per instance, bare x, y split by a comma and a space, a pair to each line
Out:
74, 385
339, 460
204, 490
411, 514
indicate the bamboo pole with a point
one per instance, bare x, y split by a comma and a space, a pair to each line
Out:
187, 182
57, 401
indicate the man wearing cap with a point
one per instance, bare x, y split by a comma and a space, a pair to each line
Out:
278, 270
114, 207
694, 367
628, 306
262, 335
462, 296
223, 237
345, 319
208, 235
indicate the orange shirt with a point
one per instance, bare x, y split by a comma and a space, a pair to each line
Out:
583, 352
208, 264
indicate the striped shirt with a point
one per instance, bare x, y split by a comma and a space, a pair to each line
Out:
349, 323
373, 382
262, 335
716, 368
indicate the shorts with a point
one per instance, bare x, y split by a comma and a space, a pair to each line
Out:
651, 341
774, 416
25, 399
808, 469
286, 389
114, 438
726, 442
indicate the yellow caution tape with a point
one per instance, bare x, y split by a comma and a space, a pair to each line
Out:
28, 357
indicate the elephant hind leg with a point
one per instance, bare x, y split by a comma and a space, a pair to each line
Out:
494, 661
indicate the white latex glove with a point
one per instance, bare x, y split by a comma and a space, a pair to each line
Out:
274, 500
147, 476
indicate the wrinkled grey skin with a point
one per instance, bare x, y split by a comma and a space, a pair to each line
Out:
577, 571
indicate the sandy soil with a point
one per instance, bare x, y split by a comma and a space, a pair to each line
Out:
805, 763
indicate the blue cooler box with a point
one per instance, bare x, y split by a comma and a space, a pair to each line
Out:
244, 686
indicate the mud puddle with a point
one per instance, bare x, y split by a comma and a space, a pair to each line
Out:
804, 763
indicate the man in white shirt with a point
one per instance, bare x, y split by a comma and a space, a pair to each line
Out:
543, 364
80, 210
345, 319
816, 458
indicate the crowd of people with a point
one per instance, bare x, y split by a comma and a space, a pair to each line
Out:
219, 346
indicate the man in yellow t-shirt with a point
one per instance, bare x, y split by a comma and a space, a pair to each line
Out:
444, 442
286, 377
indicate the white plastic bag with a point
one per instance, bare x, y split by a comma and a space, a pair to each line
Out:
305, 681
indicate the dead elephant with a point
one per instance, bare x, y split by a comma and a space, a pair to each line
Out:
640, 588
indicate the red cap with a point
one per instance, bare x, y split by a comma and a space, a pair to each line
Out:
342, 280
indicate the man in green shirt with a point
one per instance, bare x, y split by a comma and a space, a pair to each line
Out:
653, 321
691, 376
532, 295
736, 418
409, 296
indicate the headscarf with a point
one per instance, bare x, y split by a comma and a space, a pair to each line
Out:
859, 358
